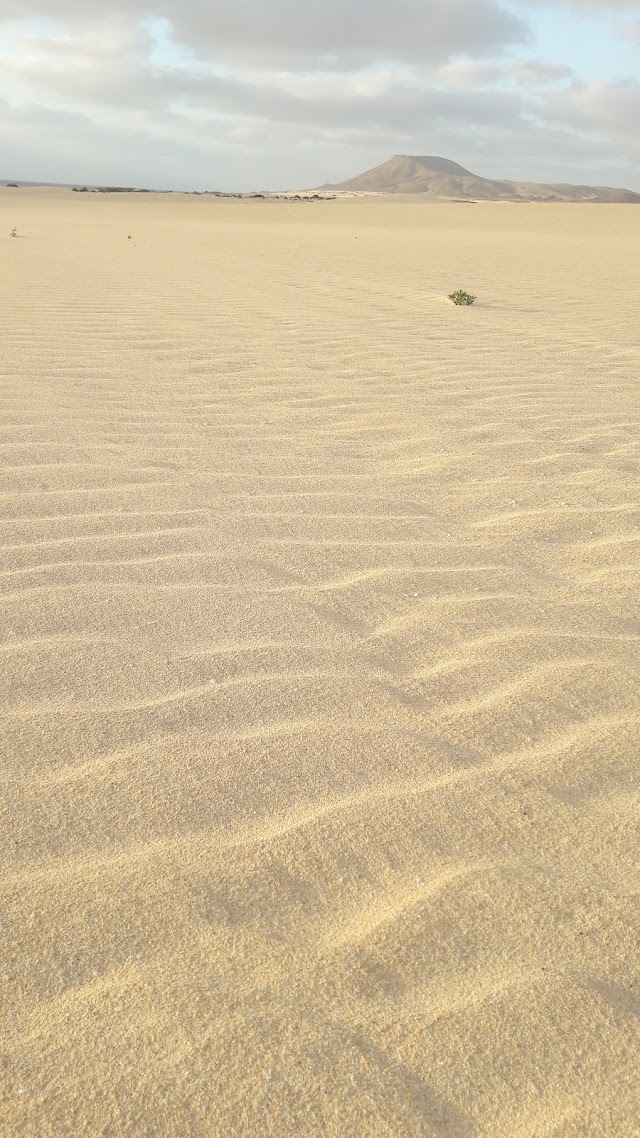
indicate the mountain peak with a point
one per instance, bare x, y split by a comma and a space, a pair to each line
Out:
445, 180
432, 162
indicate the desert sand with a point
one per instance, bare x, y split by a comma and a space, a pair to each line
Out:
320, 670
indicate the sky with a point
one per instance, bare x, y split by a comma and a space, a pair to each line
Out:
280, 94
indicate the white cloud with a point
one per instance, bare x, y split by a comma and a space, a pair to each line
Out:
538, 72
630, 29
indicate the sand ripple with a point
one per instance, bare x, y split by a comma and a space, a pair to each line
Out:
320, 671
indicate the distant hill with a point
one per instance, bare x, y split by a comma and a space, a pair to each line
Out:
443, 179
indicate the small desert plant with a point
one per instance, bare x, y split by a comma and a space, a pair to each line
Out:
14, 232
462, 297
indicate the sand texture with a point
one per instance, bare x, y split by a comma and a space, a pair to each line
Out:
320, 670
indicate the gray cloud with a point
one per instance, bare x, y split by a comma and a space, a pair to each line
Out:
409, 29
288, 32
611, 110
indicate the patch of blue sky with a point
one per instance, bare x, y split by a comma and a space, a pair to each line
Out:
14, 34
166, 51
594, 46
42, 26
188, 110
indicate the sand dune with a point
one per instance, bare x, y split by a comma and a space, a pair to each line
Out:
320, 669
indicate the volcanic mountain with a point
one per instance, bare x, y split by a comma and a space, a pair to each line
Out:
443, 179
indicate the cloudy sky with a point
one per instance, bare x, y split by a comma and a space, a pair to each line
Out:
250, 94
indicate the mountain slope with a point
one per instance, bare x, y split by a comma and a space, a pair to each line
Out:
441, 178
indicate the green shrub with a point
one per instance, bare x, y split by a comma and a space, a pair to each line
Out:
14, 232
462, 297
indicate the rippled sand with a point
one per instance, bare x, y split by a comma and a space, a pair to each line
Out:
320, 669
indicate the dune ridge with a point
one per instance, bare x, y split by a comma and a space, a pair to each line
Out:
319, 670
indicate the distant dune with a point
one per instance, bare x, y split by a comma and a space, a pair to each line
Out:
441, 178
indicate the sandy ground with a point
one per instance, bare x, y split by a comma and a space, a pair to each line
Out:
320, 669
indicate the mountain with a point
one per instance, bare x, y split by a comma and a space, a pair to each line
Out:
441, 178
